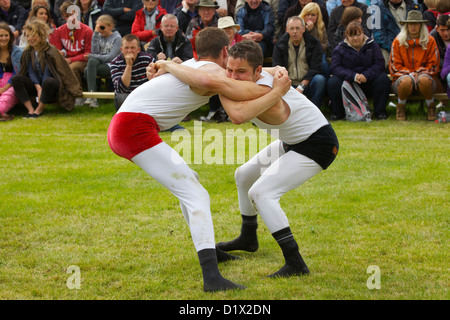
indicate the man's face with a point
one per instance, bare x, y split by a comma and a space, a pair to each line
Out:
5, 3
206, 13
239, 69
444, 32
130, 48
304, 2
347, 3
295, 29
253, 4
169, 27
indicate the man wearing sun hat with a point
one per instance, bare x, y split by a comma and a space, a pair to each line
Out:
207, 17
414, 64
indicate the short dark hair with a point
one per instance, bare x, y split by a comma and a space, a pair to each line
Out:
210, 41
248, 50
131, 37
442, 20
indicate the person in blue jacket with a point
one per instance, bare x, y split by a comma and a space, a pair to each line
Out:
257, 23
124, 12
358, 59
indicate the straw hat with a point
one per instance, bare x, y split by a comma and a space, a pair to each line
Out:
207, 3
227, 22
414, 16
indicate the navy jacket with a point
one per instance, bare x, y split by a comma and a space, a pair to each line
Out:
17, 15
260, 20
123, 20
182, 47
313, 51
346, 62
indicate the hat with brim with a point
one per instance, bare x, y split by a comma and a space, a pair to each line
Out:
206, 3
414, 16
227, 22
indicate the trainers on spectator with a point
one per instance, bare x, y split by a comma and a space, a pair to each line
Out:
93, 103
79, 102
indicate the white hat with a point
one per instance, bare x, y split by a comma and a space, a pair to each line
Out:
227, 22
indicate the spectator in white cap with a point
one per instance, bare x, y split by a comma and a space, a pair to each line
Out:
231, 28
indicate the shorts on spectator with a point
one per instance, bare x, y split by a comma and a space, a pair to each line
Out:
397, 82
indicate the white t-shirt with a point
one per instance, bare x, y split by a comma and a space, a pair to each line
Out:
304, 120
165, 98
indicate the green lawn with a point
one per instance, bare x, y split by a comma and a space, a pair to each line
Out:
67, 200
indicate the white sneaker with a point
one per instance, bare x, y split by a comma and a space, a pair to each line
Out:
93, 103
88, 101
79, 102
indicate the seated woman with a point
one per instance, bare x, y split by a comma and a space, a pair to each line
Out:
358, 59
351, 14
315, 25
40, 12
105, 47
414, 65
44, 73
10, 63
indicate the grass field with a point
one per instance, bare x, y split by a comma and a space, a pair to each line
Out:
67, 200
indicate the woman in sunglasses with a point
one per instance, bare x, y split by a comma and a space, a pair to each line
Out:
105, 47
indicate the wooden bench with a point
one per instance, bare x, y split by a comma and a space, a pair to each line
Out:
437, 96
98, 95
392, 96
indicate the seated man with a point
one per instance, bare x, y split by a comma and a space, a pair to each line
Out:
73, 40
14, 15
415, 67
441, 34
123, 12
171, 43
185, 13
301, 54
206, 17
128, 69
257, 23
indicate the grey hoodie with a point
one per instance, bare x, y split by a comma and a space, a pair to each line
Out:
105, 49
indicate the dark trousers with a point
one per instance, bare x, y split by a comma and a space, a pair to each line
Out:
379, 89
24, 89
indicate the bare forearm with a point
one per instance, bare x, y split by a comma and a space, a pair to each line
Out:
240, 112
213, 80
126, 76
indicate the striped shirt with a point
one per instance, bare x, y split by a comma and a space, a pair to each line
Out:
138, 72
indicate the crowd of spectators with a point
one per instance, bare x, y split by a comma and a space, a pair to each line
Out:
53, 50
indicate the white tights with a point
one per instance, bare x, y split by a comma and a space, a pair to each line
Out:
266, 177
167, 167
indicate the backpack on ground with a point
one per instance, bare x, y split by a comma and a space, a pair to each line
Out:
355, 102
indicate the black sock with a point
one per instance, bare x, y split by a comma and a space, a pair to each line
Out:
212, 279
247, 240
294, 262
